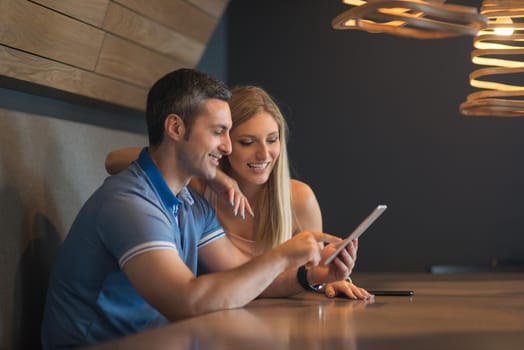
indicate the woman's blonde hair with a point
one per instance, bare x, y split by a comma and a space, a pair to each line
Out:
274, 217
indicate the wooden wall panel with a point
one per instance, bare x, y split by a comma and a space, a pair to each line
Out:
214, 7
128, 24
176, 14
91, 11
109, 50
33, 28
143, 69
30, 68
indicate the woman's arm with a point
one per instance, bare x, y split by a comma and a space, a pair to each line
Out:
222, 184
306, 210
308, 216
119, 159
227, 187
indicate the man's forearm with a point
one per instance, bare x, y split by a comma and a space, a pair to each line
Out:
237, 287
285, 285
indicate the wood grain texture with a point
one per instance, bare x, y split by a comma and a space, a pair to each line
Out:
145, 32
469, 313
33, 28
213, 7
176, 14
126, 61
30, 68
109, 50
92, 11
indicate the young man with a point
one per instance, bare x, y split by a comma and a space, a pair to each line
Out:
130, 259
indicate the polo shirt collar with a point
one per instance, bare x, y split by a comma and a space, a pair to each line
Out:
166, 195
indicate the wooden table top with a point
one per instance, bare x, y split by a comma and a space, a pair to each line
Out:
475, 311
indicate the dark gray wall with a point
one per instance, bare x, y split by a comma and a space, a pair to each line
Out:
374, 119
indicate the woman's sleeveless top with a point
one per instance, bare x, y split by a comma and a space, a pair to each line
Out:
247, 246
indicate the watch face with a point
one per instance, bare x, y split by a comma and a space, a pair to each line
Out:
318, 287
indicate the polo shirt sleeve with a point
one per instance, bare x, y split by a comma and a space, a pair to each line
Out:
211, 228
130, 224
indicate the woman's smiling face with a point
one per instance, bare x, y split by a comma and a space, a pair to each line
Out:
255, 149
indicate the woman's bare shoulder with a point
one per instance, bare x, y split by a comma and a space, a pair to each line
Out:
307, 214
301, 193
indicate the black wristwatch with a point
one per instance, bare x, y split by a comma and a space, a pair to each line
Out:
302, 279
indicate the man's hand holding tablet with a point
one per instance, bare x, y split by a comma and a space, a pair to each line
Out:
357, 232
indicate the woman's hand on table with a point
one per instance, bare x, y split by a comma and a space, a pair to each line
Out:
346, 288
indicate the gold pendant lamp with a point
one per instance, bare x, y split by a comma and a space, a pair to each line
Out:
499, 49
429, 19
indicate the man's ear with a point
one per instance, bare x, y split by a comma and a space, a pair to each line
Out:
174, 127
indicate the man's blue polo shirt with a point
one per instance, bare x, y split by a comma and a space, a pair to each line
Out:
89, 298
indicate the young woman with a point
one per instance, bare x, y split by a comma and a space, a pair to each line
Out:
255, 179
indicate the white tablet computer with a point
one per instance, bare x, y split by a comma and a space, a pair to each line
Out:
358, 231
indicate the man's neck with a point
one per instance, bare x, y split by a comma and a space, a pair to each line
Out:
165, 160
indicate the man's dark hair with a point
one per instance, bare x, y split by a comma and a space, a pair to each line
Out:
182, 92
